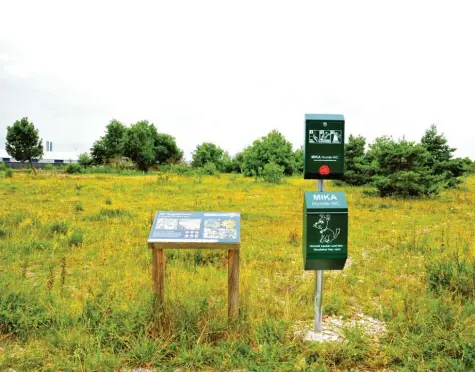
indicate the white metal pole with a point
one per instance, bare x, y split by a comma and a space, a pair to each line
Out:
319, 283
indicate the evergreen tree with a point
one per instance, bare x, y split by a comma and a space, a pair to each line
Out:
357, 169
401, 169
441, 159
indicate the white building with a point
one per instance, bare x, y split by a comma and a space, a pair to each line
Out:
49, 157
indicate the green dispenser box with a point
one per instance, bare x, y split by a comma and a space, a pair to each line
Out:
324, 146
325, 231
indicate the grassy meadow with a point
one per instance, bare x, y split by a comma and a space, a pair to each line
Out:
75, 278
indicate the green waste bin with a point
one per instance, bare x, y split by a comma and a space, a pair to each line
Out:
325, 231
324, 146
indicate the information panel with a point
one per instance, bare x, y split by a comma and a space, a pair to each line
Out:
324, 146
196, 227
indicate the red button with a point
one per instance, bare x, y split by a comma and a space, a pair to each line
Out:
324, 170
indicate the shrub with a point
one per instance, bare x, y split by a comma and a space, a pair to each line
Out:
76, 238
85, 160
407, 184
73, 168
79, 207
3, 166
4, 233
401, 169
113, 213
59, 228
210, 169
48, 167
272, 173
179, 168
9, 173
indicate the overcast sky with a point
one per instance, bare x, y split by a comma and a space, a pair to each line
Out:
230, 71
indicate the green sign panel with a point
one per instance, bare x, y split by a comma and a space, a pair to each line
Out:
324, 146
325, 231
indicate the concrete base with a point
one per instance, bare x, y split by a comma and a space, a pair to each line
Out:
333, 328
324, 336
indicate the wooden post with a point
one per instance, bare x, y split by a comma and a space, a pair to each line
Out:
158, 274
233, 283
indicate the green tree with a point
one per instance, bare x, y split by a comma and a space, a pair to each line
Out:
228, 163
85, 160
140, 144
208, 152
437, 145
469, 165
357, 169
271, 148
401, 169
441, 159
166, 149
237, 164
114, 140
298, 159
99, 152
23, 142
110, 147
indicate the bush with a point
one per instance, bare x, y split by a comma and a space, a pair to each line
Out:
401, 169
179, 168
85, 160
3, 166
272, 173
408, 184
9, 173
59, 228
73, 168
48, 167
4, 233
210, 169
76, 238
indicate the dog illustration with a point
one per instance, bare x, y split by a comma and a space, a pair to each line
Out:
328, 235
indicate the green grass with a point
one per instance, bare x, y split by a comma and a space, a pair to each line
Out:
75, 278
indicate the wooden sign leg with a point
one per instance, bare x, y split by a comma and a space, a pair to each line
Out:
233, 282
158, 274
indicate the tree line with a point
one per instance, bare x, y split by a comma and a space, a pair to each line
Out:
393, 167
402, 167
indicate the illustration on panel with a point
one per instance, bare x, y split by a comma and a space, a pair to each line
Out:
325, 136
327, 234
